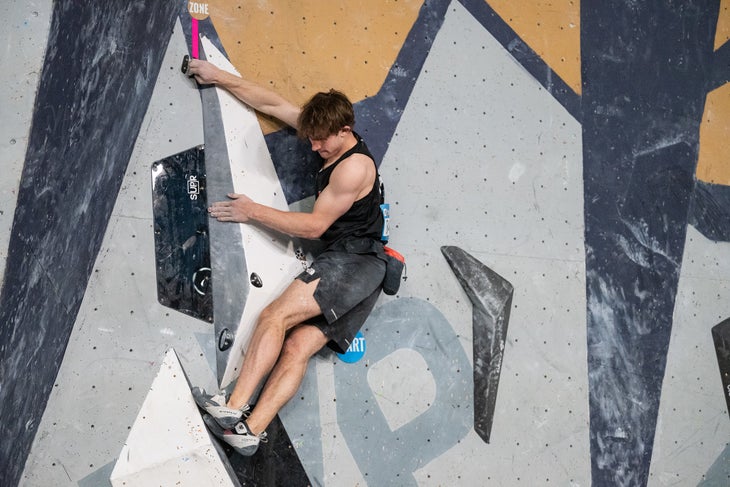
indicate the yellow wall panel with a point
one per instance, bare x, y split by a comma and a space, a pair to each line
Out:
300, 47
713, 165
551, 28
723, 24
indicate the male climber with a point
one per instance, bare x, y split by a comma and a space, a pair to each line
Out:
328, 302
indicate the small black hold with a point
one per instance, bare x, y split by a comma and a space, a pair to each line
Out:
256, 280
185, 63
225, 340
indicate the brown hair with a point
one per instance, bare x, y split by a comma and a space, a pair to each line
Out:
325, 114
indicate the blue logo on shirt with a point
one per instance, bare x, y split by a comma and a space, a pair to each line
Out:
355, 351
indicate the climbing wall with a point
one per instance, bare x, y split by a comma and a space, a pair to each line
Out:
557, 182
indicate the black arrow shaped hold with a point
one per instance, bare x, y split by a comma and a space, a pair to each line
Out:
491, 298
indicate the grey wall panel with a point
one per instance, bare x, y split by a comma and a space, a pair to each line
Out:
86, 118
121, 332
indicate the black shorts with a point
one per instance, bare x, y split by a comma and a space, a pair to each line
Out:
349, 285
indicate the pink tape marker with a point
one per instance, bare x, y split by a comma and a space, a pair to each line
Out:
194, 39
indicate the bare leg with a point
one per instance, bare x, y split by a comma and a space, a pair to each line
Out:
301, 344
295, 305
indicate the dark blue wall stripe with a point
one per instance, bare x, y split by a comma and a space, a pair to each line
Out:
644, 69
101, 65
720, 67
710, 211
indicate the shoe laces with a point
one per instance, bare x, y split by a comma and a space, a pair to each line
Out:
219, 399
242, 428
245, 411
222, 399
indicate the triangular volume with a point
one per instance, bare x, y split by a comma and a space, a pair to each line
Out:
271, 261
168, 443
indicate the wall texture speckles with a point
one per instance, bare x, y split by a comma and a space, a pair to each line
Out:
571, 177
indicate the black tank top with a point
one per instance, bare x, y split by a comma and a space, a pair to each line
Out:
364, 218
